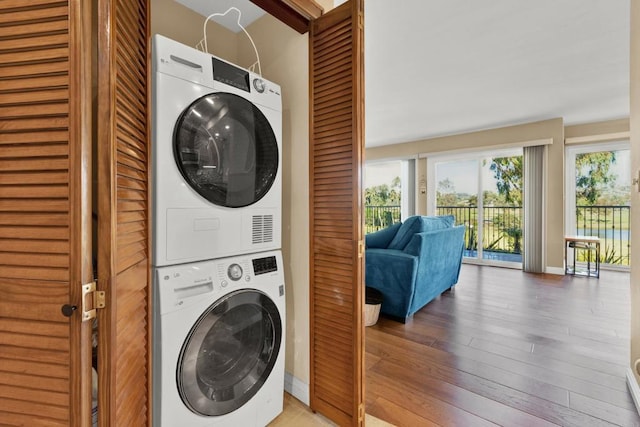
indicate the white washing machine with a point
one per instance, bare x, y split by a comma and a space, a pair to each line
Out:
216, 155
219, 331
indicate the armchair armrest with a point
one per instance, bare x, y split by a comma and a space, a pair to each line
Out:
440, 257
393, 273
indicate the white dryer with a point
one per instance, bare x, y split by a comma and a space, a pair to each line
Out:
216, 151
219, 332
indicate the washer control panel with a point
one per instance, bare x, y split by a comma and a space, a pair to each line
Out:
265, 265
182, 285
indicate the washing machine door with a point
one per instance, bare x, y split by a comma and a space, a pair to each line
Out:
229, 353
226, 150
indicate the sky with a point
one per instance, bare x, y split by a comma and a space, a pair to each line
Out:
381, 173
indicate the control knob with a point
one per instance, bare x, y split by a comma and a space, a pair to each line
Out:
259, 85
234, 272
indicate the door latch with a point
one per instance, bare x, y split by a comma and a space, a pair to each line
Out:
96, 298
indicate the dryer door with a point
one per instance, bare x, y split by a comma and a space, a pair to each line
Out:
229, 353
226, 150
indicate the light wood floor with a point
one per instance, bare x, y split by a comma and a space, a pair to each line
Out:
297, 414
507, 348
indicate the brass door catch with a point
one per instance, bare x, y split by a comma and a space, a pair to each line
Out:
96, 298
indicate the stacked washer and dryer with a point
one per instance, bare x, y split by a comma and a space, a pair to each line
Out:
219, 303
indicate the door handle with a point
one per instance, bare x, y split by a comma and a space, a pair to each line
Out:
67, 310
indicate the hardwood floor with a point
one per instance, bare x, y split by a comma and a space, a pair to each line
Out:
507, 348
297, 414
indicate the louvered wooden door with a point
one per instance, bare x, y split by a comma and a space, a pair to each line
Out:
336, 154
45, 212
123, 213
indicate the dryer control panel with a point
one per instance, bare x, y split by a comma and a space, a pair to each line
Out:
229, 74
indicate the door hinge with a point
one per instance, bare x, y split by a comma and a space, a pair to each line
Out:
95, 298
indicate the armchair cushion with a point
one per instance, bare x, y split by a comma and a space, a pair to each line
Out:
418, 224
409, 227
431, 223
381, 238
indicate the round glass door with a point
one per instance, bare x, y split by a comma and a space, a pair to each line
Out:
226, 150
229, 353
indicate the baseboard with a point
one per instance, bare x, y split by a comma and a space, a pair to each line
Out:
297, 388
554, 270
634, 388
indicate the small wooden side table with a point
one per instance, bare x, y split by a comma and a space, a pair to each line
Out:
589, 244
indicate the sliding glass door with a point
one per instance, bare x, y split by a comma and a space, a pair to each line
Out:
484, 192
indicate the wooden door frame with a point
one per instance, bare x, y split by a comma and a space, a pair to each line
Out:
297, 14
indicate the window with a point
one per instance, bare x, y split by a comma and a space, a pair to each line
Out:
598, 198
389, 193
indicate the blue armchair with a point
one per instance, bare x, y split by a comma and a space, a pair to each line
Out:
413, 262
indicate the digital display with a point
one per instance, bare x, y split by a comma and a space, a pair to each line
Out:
264, 265
230, 75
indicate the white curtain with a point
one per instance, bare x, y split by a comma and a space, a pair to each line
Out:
533, 233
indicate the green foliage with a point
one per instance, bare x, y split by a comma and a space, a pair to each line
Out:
509, 223
609, 256
494, 246
593, 176
383, 195
471, 238
382, 204
446, 194
508, 174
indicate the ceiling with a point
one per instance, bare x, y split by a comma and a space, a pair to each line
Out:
250, 12
441, 67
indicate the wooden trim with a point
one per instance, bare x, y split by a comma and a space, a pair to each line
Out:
80, 223
297, 14
358, 211
307, 8
106, 211
150, 294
